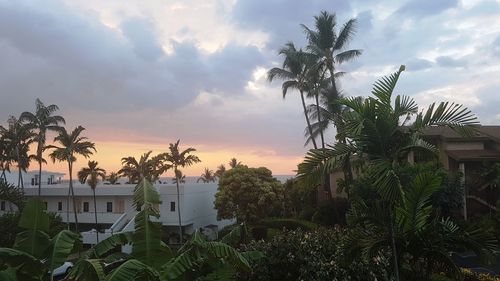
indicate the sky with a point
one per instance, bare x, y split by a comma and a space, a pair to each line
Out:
139, 75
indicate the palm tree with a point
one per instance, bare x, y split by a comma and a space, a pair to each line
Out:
113, 177
207, 176
294, 72
91, 175
179, 177
220, 170
145, 167
329, 112
5, 156
379, 133
328, 46
71, 145
233, 163
17, 138
42, 121
179, 159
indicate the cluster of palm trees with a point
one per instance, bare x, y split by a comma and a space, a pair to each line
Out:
313, 72
32, 128
210, 176
152, 167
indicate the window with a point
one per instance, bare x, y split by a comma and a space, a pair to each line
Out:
85, 207
46, 205
172, 206
109, 207
59, 206
2, 206
32, 181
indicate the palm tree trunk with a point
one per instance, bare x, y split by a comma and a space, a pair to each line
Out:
319, 122
178, 205
73, 195
95, 215
67, 208
394, 249
307, 120
40, 176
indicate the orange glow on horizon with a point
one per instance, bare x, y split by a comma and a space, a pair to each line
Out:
109, 154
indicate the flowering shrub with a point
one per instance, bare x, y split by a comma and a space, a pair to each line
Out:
315, 255
471, 276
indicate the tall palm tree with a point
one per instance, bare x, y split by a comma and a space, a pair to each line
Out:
91, 175
42, 121
207, 176
328, 46
176, 159
330, 49
329, 112
179, 177
70, 146
294, 72
5, 156
18, 137
220, 170
146, 167
233, 163
379, 132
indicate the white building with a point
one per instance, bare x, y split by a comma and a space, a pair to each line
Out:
115, 210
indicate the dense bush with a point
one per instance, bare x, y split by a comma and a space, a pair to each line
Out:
468, 275
9, 227
290, 224
316, 255
248, 194
331, 212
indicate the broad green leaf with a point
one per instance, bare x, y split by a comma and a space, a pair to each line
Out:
33, 242
61, 247
34, 216
133, 270
24, 263
88, 270
105, 246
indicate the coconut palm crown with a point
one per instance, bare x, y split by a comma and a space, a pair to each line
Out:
41, 122
70, 146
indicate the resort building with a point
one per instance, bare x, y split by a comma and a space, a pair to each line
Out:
115, 209
457, 153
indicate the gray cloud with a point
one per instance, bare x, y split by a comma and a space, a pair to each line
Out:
282, 18
144, 41
447, 61
418, 64
424, 8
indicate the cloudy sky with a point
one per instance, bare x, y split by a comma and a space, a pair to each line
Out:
141, 74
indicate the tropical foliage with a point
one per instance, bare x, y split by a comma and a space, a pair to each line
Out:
35, 254
312, 255
207, 176
248, 194
378, 131
91, 175
70, 146
176, 159
151, 259
146, 167
41, 122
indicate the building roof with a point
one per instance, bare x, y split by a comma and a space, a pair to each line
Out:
482, 133
474, 155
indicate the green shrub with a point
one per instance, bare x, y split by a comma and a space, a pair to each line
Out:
290, 224
9, 227
332, 212
307, 213
307, 256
